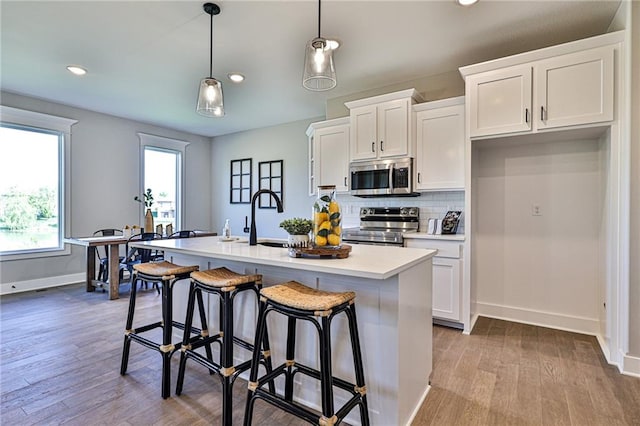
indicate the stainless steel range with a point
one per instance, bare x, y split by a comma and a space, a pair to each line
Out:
383, 226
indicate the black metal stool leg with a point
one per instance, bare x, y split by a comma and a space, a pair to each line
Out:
204, 326
226, 363
128, 326
185, 339
291, 355
357, 361
166, 348
255, 363
326, 378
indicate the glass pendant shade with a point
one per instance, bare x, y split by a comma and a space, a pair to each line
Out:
319, 71
210, 101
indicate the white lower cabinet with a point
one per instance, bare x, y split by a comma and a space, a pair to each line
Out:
447, 276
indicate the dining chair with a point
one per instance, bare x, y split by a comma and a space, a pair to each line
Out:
136, 255
103, 257
183, 234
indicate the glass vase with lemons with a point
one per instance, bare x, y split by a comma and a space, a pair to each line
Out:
326, 218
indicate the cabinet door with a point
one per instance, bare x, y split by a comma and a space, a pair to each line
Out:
393, 128
500, 101
440, 150
332, 157
575, 89
446, 288
363, 133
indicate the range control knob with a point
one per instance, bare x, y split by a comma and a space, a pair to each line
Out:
404, 211
363, 212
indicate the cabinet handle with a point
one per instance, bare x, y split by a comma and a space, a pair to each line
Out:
345, 181
419, 177
381, 145
526, 115
373, 147
542, 113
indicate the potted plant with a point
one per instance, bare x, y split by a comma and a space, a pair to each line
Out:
148, 202
298, 229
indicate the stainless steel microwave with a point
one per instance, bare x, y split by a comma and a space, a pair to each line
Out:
382, 178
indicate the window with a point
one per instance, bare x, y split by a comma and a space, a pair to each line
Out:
162, 160
32, 183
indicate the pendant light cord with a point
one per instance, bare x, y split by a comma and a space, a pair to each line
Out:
319, 18
211, 46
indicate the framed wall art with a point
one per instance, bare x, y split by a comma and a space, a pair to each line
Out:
240, 181
270, 175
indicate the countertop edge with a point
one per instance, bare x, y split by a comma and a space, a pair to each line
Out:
279, 257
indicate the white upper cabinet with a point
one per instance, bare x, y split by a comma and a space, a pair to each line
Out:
559, 91
500, 101
440, 143
575, 89
381, 126
329, 154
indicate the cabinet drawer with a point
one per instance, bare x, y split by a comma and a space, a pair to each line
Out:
449, 249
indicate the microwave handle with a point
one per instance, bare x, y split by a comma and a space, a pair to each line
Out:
391, 169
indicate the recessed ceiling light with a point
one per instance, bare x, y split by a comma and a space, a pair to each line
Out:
236, 77
466, 2
76, 70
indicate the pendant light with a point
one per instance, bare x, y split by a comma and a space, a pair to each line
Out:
210, 100
319, 71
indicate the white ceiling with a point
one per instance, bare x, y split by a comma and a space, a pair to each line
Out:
145, 59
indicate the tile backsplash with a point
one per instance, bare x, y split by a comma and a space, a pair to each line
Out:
431, 204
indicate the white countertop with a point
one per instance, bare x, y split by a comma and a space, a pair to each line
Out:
365, 261
425, 236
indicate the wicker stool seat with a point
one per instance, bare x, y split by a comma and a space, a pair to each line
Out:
167, 274
225, 284
299, 302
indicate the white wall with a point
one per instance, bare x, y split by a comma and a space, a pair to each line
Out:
286, 142
634, 279
542, 269
105, 175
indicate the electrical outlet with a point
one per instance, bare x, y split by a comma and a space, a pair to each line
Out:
535, 210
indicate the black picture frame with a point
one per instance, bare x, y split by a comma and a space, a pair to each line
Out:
270, 176
240, 186
450, 222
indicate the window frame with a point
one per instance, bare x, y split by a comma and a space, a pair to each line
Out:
161, 143
50, 124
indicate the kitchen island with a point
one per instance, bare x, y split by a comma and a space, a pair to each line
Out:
393, 303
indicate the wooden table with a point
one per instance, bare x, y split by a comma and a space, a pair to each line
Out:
113, 242
113, 249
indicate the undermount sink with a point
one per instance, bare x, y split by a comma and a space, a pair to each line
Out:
271, 244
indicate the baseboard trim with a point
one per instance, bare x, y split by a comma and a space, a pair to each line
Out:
631, 365
543, 319
417, 408
41, 283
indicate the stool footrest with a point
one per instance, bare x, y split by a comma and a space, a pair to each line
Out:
147, 327
146, 342
290, 407
212, 365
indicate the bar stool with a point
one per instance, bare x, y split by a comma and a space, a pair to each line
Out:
168, 274
226, 284
297, 301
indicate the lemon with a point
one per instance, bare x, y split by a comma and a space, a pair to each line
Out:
333, 239
336, 230
321, 241
334, 207
321, 217
325, 225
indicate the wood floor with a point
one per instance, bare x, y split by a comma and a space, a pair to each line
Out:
60, 357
